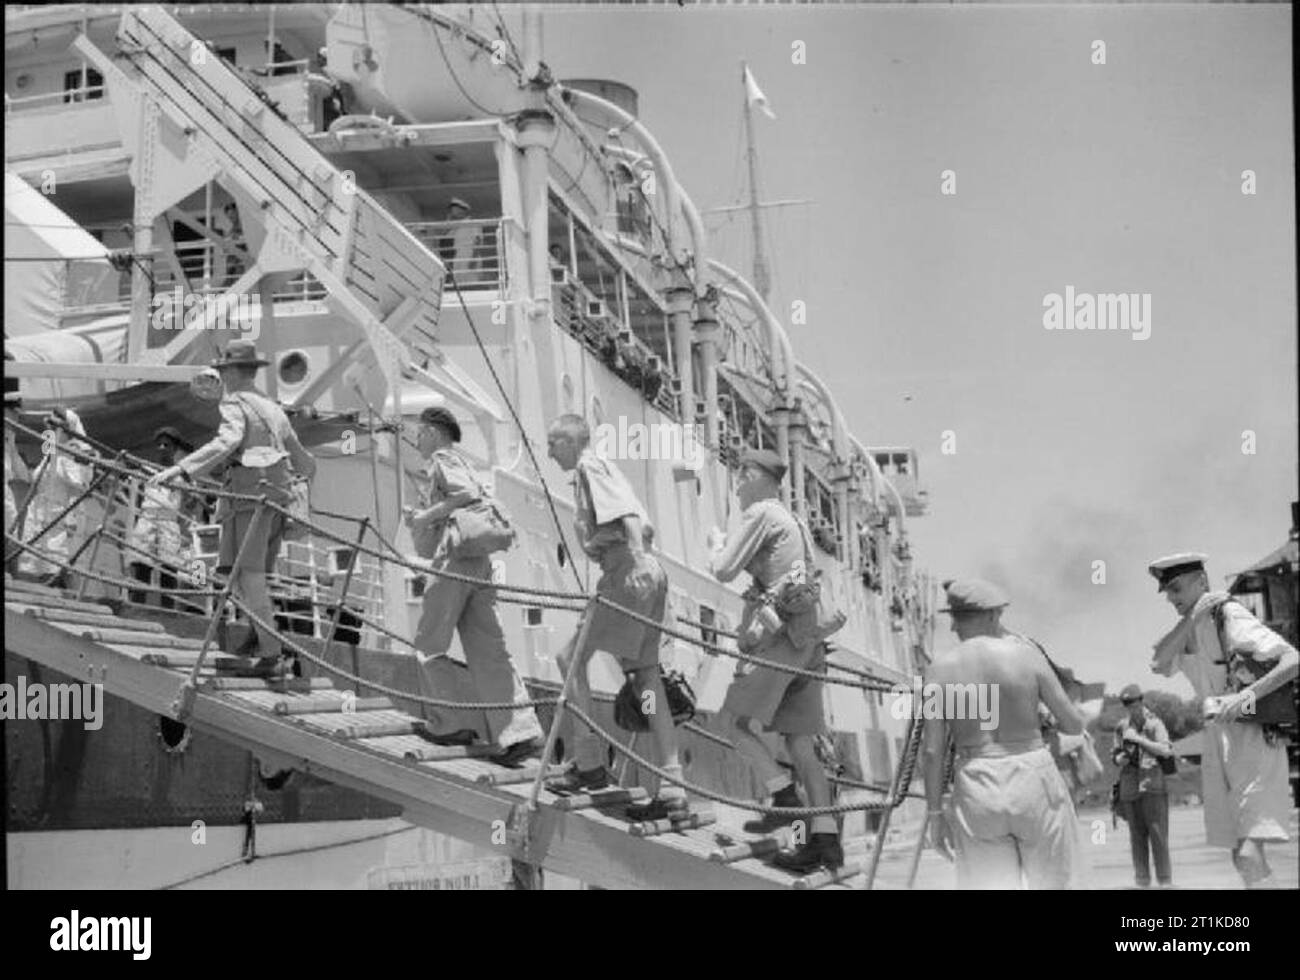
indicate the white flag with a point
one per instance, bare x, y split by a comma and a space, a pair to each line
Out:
755, 95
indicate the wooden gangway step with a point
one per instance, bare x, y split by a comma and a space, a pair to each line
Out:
369, 745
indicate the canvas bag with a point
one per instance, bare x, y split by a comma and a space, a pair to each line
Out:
1277, 708
271, 463
804, 603
474, 531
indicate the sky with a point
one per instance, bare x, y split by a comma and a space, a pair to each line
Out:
925, 311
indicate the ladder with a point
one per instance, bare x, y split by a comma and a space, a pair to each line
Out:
192, 119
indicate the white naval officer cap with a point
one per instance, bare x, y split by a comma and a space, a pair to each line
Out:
1170, 567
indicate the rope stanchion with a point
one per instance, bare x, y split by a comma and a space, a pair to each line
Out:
561, 702
184, 702
94, 551
343, 593
902, 780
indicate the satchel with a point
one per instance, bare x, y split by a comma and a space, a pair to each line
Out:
479, 529
805, 604
681, 703
476, 530
1277, 708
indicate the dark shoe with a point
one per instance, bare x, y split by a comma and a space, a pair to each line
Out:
275, 667
771, 822
657, 809
512, 756
821, 851
463, 736
580, 780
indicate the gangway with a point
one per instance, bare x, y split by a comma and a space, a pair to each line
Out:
367, 744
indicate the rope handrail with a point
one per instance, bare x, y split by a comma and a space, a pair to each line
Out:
300, 651
708, 794
510, 593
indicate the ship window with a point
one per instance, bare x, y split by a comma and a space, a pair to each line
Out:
293, 367
415, 586
708, 617
73, 90
226, 54
341, 558
533, 616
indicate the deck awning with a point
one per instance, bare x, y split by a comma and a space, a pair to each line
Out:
1279, 562
36, 229
45, 252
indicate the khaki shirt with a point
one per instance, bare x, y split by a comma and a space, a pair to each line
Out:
604, 497
767, 545
236, 434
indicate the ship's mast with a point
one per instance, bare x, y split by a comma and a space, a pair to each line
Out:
761, 281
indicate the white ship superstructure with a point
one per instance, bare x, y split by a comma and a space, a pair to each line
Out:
410, 209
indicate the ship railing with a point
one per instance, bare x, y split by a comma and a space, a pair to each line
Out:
585, 316
46, 100
205, 268
471, 250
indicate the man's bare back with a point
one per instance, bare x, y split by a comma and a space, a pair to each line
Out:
1019, 677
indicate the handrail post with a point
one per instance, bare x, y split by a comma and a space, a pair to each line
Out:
523, 816
347, 584
902, 779
98, 534
184, 702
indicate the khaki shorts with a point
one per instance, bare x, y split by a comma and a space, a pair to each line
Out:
634, 644
1013, 823
784, 703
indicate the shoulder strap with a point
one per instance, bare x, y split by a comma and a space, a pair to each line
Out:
807, 543
1220, 621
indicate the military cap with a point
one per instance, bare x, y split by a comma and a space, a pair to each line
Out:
442, 417
1131, 693
168, 432
240, 353
459, 202
973, 595
1170, 567
766, 460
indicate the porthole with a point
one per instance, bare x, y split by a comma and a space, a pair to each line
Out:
293, 367
174, 735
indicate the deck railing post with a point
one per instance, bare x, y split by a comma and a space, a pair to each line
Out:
524, 815
338, 607
98, 534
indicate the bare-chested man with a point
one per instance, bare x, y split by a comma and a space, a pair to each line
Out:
1010, 818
